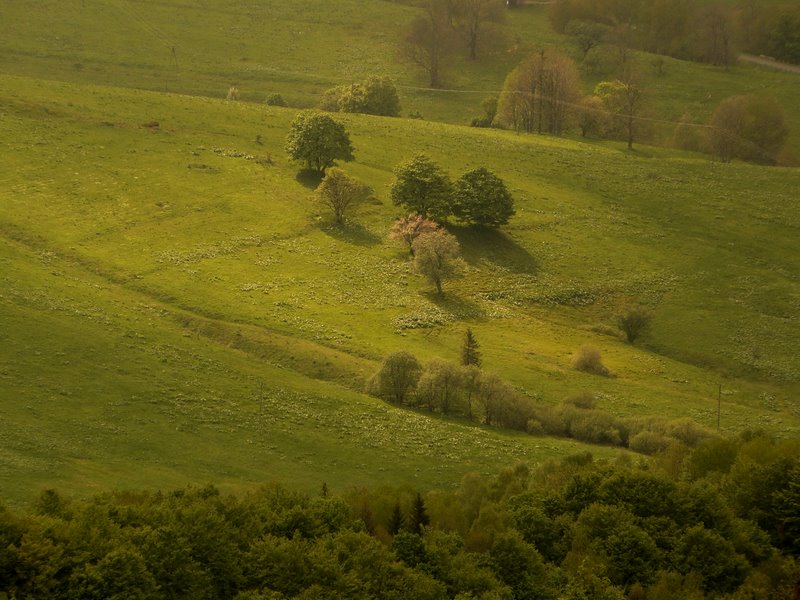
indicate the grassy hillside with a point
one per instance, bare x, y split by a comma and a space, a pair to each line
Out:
300, 49
153, 278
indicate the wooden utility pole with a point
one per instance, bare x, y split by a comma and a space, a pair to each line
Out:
719, 402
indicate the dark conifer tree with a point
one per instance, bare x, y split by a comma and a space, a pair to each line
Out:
419, 516
470, 355
396, 521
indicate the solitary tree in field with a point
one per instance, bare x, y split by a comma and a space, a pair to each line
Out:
633, 323
748, 127
625, 100
481, 198
407, 229
429, 41
318, 140
539, 93
470, 18
422, 187
436, 256
341, 193
470, 355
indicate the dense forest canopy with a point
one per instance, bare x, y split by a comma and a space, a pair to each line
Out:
719, 521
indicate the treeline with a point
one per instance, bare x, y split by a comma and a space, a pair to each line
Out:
718, 522
711, 33
771, 30
467, 391
543, 94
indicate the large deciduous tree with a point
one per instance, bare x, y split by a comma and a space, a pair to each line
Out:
539, 93
470, 17
423, 187
481, 198
712, 36
784, 36
625, 101
341, 193
440, 386
429, 41
318, 140
748, 127
437, 257
397, 378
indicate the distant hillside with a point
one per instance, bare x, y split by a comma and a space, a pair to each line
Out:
300, 49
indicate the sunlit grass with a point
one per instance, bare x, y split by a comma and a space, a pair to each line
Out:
144, 299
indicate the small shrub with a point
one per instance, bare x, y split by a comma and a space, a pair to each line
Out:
579, 459
489, 107
276, 100
534, 427
649, 442
551, 421
588, 360
687, 431
633, 323
583, 400
603, 329
594, 426
688, 135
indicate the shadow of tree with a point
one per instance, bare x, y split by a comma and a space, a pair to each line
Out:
309, 178
461, 308
351, 233
495, 246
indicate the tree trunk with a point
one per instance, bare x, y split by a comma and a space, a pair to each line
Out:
473, 45
630, 132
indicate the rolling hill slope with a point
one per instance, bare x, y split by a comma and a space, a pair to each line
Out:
155, 277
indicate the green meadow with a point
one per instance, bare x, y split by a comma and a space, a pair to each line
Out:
176, 308
301, 49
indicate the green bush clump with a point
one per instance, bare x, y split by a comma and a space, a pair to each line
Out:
375, 95
649, 442
276, 100
588, 360
584, 400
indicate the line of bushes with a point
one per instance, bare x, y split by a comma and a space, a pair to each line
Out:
447, 388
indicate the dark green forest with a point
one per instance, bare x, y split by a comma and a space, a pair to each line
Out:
719, 521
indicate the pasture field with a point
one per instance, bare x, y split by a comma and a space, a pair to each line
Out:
300, 49
154, 277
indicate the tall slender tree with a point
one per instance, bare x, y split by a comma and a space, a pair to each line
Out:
396, 521
470, 355
418, 519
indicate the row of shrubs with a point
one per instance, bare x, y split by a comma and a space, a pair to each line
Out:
447, 388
